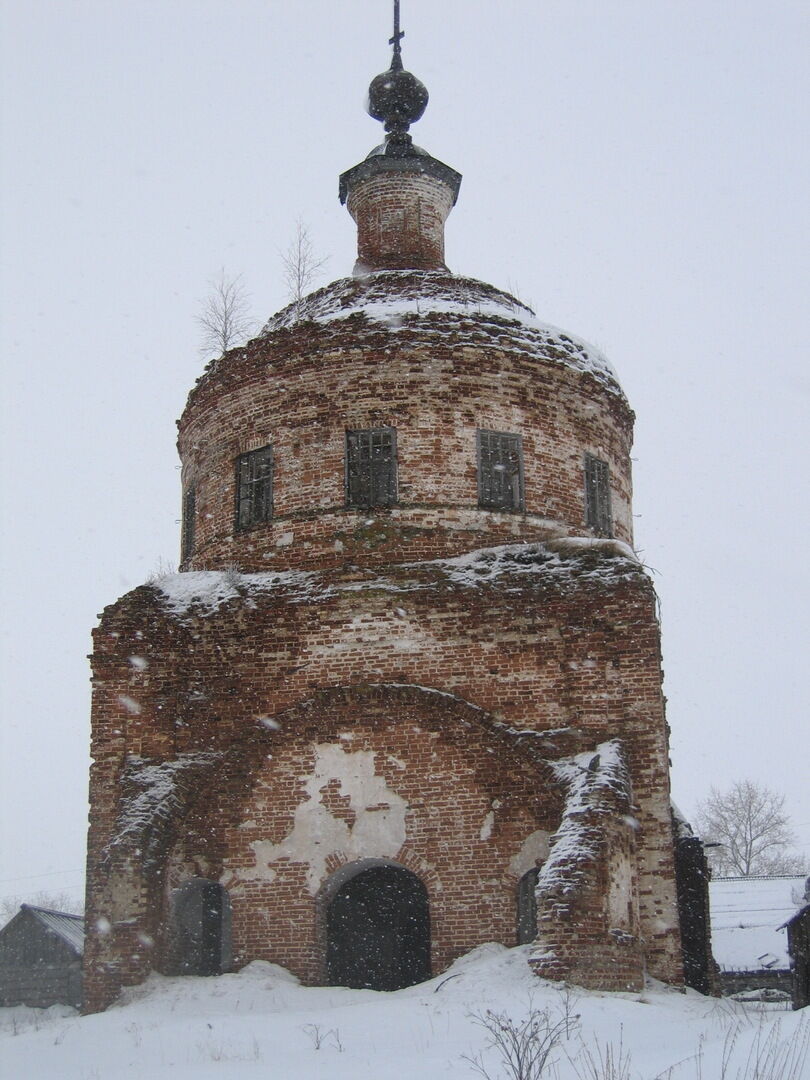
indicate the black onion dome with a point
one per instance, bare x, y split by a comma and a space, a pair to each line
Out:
397, 98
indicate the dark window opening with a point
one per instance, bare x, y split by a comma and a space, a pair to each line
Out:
597, 496
378, 931
254, 488
200, 928
500, 471
527, 907
187, 530
371, 468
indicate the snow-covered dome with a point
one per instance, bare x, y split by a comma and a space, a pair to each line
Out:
435, 303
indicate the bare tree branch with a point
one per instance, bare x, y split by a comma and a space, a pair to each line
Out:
300, 265
224, 316
753, 832
53, 901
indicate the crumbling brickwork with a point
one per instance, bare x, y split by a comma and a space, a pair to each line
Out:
267, 694
415, 682
458, 357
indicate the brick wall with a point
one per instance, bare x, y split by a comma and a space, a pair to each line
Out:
425, 682
437, 378
400, 220
389, 706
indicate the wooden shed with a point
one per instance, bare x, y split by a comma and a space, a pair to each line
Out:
41, 958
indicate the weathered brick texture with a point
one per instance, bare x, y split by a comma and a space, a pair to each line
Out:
335, 689
440, 687
400, 221
437, 376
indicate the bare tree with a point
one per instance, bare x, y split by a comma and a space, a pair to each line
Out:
300, 264
224, 315
752, 832
53, 901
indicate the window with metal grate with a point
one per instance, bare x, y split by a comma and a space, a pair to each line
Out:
371, 467
500, 471
597, 496
254, 488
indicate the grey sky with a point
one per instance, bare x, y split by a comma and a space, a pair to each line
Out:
636, 171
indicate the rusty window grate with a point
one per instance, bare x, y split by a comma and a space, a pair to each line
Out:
500, 471
189, 521
597, 496
254, 488
371, 467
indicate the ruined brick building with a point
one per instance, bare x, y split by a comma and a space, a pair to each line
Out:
404, 696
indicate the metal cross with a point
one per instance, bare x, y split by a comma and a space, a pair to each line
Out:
398, 34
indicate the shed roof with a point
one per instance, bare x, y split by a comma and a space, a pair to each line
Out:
748, 917
70, 928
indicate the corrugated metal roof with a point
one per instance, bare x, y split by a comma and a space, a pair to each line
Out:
70, 928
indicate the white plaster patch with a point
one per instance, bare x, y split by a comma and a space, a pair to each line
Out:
486, 827
378, 829
533, 850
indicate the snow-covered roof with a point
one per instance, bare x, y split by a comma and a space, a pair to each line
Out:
70, 928
683, 829
435, 304
746, 917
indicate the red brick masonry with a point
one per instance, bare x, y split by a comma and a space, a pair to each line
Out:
430, 715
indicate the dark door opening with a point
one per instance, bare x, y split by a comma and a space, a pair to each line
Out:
378, 931
199, 916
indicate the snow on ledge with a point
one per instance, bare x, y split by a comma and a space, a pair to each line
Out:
551, 557
204, 592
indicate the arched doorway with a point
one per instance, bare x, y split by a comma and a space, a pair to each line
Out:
378, 930
527, 906
200, 928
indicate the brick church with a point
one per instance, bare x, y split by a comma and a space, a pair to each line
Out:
404, 695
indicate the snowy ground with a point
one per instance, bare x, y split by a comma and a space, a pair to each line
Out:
748, 917
261, 1023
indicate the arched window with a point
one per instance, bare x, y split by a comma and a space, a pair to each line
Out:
527, 906
378, 930
200, 928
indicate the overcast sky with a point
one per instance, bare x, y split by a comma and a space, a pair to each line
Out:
636, 171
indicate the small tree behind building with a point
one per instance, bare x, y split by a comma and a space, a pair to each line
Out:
750, 829
301, 266
224, 316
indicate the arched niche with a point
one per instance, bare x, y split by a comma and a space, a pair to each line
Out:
527, 906
377, 920
200, 928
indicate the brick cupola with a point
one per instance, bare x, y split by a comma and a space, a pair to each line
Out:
399, 196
